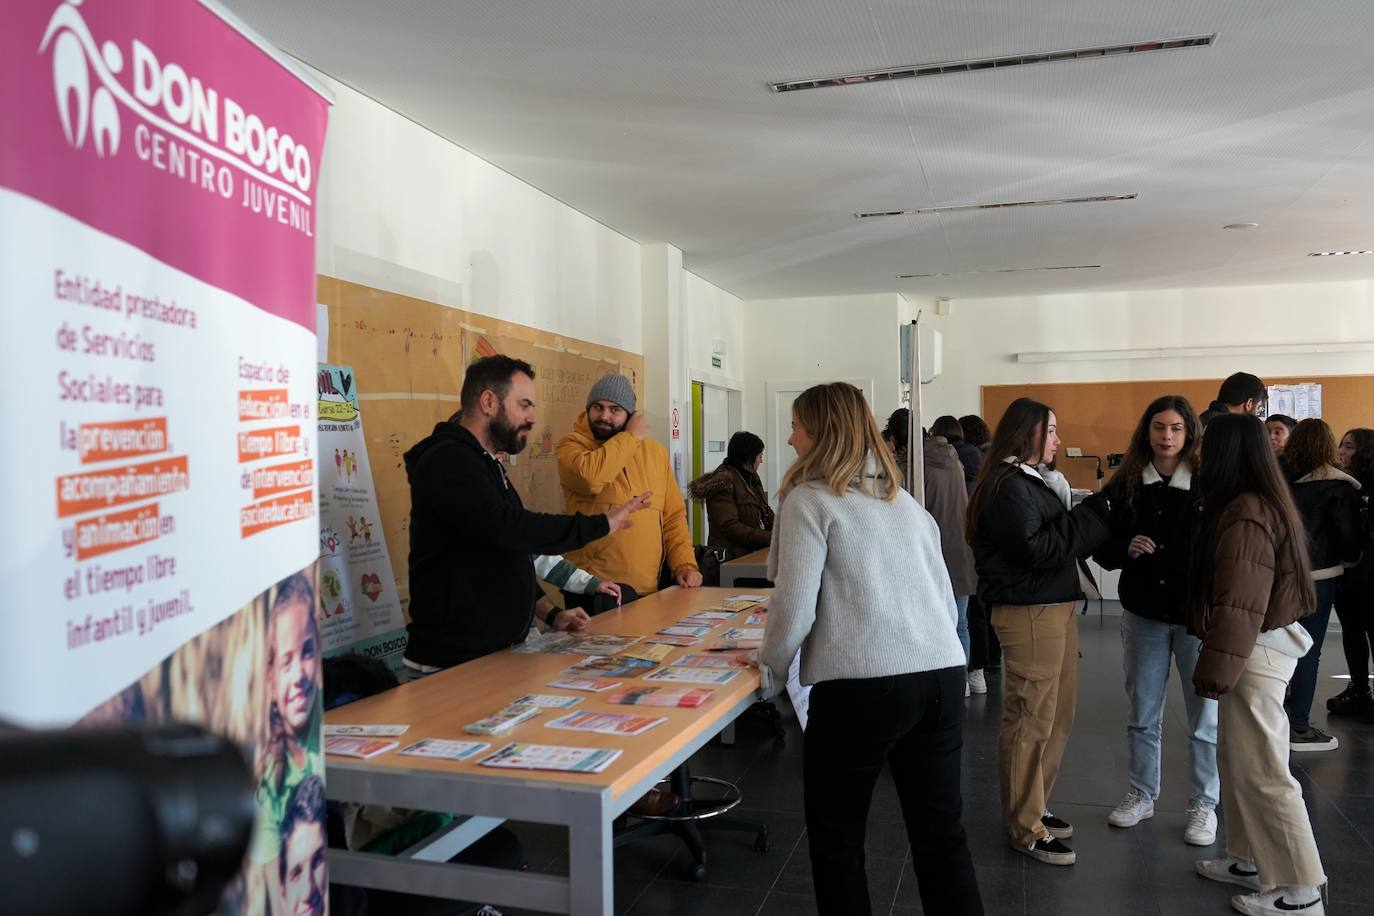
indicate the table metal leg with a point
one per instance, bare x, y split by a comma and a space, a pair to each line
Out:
590, 860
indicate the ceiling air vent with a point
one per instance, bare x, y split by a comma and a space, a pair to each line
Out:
992, 63
920, 211
1004, 270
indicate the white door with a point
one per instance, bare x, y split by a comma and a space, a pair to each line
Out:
715, 434
779, 397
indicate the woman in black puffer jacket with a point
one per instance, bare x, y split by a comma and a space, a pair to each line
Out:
1355, 594
1026, 546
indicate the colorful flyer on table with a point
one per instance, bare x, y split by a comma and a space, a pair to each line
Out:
442, 749
589, 684
547, 701
668, 640
369, 731
363, 748
745, 633
682, 698
684, 631
544, 642
711, 661
503, 720
598, 644
694, 675
751, 599
756, 620
648, 653
549, 757
610, 667
711, 614
734, 645
606, 723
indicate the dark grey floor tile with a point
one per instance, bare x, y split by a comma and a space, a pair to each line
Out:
789, 905
731, 857
884, 875
1002, 890
670, 899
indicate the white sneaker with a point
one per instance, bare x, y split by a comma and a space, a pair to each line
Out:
977, 682
1202, 826
1134, 808
1278, 901
1231, 870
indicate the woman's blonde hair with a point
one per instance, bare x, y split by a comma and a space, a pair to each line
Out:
844, 433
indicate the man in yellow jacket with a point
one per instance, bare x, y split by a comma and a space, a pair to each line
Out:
607, 458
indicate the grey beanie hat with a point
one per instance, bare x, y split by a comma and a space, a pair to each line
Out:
615, 388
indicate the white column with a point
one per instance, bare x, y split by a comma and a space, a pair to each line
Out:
666, 386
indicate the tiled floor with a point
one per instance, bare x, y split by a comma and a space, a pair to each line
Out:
1146, 870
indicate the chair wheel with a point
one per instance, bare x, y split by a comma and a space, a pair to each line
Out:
697, 871
762, 843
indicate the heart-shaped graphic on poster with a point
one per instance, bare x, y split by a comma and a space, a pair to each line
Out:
372, 585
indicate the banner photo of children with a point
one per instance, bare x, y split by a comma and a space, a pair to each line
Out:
255, 678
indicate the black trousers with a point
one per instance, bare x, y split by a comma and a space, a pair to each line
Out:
984, 649
599, 604
914, 723
1355, 608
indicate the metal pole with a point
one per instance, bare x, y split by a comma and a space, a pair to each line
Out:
916, 464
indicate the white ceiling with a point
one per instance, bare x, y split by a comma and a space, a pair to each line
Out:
653, 117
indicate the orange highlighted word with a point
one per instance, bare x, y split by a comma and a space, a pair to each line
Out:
264, 404
124, 439
283, 477
268, 443
282, 510
77, 493
118, 531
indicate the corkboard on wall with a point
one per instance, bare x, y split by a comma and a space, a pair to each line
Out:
1099, 417
408, 356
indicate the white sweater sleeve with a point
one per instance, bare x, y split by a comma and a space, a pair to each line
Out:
796, 562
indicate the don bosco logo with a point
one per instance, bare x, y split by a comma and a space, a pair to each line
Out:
98, 85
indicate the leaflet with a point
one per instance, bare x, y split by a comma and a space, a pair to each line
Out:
371, 731
577, 643
362, 748
544, 642
682, 698
669, 640
693, 675
711, 661
752, 599
589, 684
712, 614
734, 645
756, 620
684, 631
550, 757
606, 723
547, 701
443, 749
647, 653
503, 720
741, 602
745, 633
610, 667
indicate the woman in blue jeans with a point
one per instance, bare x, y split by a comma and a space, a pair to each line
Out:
1152, 521
1329, 502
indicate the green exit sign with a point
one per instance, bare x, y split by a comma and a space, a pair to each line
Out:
715, 362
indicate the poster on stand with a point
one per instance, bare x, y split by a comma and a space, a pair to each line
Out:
359, 608
158, 185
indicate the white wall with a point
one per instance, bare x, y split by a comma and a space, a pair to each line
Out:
713, 314
405, 210
983, 336
821, 339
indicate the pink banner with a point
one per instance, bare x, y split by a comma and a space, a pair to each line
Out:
156, 123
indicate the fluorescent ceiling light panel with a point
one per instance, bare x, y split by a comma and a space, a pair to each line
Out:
1004, 270
1066, 356
992, 63
1336, 254
1003, 205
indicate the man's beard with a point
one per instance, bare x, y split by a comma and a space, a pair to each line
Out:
603, 433
506, 436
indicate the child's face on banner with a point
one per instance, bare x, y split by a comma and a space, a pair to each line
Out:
295, 664
304, 883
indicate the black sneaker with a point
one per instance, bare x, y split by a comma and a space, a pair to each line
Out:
1352, 701
1311, 739
1047, 850
1059, 828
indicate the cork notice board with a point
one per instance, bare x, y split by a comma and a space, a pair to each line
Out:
408, 356
1099, 417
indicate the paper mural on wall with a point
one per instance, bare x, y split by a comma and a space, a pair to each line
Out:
157, 201
359, 608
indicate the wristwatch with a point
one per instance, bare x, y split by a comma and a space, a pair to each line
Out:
548, 618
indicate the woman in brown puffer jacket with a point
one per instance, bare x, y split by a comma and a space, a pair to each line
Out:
1250, 582
736, 503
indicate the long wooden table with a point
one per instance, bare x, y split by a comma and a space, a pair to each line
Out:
440, 705
750, 566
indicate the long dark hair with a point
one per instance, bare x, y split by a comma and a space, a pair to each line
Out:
1362, 462
1312, 445
1140, 453
1236, 460
1021, 435
949, 427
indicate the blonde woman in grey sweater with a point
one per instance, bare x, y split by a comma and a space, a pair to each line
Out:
862, 591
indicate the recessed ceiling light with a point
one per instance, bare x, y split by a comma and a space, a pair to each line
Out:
919, 211
1241, 226
1004, 270
1333, 254
991, 63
